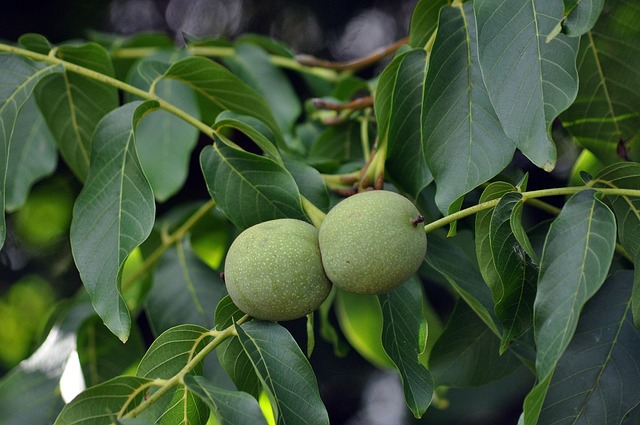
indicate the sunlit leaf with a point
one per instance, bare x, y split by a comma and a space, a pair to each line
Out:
73, 104
530, 81
282, 366
113, 214
464, 143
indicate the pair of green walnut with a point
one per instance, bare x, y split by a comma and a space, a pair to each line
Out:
283, 269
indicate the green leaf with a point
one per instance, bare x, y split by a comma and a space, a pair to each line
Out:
335, 146
598, 383
398, 106
249, 188
284, 372
464, 143
625, 175
466, 354
30, 392
253, 65
529, 80
100, 404
166, 357
520, 233
220, 89
113, 214
69, 103
424, 21
309, 181
185, 290
516, 291
448, 258
484, 254
230, 353
36, 43
327, 330
163, 140
605, 112
17, 81
32, 154
102, 355
403, 337
229, 407
582, 17
575, 261
251, 127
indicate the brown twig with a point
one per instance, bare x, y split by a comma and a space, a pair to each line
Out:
358, 103
356, 64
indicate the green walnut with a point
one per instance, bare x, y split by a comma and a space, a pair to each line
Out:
273, 270
372, 242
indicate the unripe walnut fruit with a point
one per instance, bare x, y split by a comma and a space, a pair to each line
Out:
273, 270
372, 242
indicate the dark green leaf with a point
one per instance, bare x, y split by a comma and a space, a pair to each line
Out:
529, 80
229, 407
36, 43
73, 104
516, 275
221, 89
327, 330
102, 355
113, 214
249, 188
17, 81
424, 21
466, 354
99, 405
185, 290
448, 258
253, 65
336, 145
309, 181
520, 233
285, 373
464, 143
251, 127
32, 154
231, 354
605, 112
403, 337
163, 140
597, 380
582, 17
30, 392
398, 106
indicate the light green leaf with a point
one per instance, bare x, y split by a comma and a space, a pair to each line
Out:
113, 214
424, 21
582, 16
230, 353
73, 104
530, 81
167, 356
464, 143
398, 106
30, 392
626, 175
17, 81
253, 65
184, 290
220, 89
516, 276
32, 154
285, 374
100, 404
466, 354
163, 140
229, 407
403, 337
605, 112
598, 383
249, 188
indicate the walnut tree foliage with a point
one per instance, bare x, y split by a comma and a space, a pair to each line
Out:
474, 107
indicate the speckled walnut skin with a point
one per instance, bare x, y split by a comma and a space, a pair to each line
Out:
273, 270
372, 242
